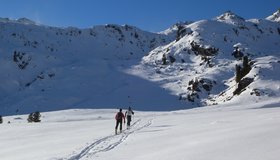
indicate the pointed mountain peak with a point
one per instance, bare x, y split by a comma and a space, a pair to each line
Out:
25, 21
174, 28
230, 17
275, 16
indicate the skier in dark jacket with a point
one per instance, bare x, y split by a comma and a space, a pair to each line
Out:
119, 117
128, 115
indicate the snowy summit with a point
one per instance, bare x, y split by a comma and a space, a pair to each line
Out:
229, 17
275, 16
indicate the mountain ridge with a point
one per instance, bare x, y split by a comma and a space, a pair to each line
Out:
110, 66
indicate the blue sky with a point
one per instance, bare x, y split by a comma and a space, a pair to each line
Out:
151, 15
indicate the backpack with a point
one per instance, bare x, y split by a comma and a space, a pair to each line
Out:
119, 116
129, 113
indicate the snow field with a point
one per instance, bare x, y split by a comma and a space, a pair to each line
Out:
228, 132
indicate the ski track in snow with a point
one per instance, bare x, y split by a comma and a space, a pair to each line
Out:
107, 143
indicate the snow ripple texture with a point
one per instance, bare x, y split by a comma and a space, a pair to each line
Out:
107, 143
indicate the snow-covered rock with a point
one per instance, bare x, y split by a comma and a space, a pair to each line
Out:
275, 16
231, 18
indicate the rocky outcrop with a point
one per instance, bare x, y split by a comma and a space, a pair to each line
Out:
203, 51
242, 85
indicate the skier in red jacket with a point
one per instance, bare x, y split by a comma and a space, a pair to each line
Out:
119, 117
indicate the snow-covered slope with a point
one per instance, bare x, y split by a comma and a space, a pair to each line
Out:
47, 68
200, 67
221, 132
190, 64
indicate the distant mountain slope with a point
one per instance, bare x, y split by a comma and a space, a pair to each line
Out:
200, 67
111, 66
49, 68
